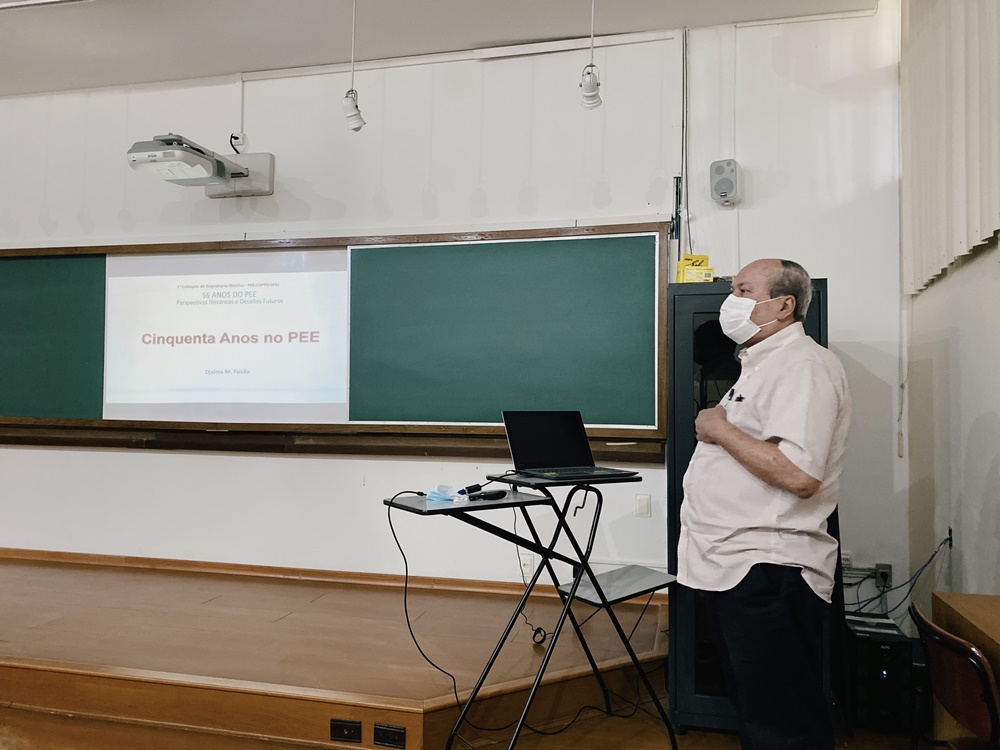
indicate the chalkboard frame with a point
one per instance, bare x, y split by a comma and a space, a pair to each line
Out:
621, 444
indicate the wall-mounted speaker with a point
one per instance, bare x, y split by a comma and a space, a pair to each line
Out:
724, 177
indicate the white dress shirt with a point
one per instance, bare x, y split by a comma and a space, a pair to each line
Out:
795, 391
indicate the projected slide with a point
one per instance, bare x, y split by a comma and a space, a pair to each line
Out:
227, 337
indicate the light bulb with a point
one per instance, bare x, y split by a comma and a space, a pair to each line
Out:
591, 85
354, 120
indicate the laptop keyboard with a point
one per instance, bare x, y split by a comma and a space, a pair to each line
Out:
566, 472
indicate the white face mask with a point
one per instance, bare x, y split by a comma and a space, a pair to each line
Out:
734, 317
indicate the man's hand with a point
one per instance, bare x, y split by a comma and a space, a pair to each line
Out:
762, 458
710, 423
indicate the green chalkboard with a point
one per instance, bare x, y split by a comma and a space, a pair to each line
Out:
52, 337
445, 332
456, 332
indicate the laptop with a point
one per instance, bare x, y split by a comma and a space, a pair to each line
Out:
553, 445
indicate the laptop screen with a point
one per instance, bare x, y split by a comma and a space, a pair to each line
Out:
547, 439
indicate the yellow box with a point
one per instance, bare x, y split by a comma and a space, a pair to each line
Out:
697, 273
694, 268
694, 260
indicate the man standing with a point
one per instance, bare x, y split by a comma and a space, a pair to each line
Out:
763, 480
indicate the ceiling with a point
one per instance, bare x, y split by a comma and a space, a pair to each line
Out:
119, 42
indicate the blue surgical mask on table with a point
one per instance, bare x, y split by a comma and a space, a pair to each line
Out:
734, 317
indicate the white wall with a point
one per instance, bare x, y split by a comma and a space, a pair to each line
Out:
809, 109
455, 144
303, 511
955, 426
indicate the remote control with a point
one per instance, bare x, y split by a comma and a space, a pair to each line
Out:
488, 495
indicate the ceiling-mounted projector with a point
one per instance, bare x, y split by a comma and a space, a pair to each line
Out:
176, 159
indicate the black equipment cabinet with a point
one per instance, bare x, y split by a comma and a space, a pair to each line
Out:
701, 368
887, 671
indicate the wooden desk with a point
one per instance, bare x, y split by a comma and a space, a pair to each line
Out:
976, 618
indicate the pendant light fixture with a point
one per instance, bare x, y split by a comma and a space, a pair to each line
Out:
354, 120
590, 81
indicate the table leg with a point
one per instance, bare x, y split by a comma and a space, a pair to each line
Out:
547, 563
642, 673
506, 634
582, 568
584, 557
548, 655
492, 660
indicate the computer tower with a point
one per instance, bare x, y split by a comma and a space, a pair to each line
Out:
883, 674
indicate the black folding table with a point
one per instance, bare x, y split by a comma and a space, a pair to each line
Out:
601, 591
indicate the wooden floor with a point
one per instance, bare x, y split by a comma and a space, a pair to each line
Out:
304, 634
95, 656
338, 649
642, 731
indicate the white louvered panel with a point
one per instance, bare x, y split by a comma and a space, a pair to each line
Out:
956, 113
921, 173
923, 162
973, 176
950, 91
989, 116
907, 216
929, 163
933, 146
938, 74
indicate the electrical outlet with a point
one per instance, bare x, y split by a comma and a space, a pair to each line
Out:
389, 735
238, 139
883, 575
846, 559
527, 563
345, 730
643, 506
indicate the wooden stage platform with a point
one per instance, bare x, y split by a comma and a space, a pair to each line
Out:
103, 653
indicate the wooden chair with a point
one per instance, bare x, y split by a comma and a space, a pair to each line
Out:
963, 683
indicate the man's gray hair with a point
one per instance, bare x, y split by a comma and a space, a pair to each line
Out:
794, 280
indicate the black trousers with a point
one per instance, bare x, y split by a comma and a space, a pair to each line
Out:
768, 630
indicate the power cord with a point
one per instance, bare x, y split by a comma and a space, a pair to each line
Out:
635, 706
920, 570
409, 626
538, 634
908, 584
406, 590
857, 585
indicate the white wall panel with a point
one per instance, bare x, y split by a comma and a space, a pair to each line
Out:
814, 123
956, 435
714, 229
302, 511
497, 142
461, 143
70, 180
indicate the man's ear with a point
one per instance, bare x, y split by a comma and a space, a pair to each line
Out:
787, 309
